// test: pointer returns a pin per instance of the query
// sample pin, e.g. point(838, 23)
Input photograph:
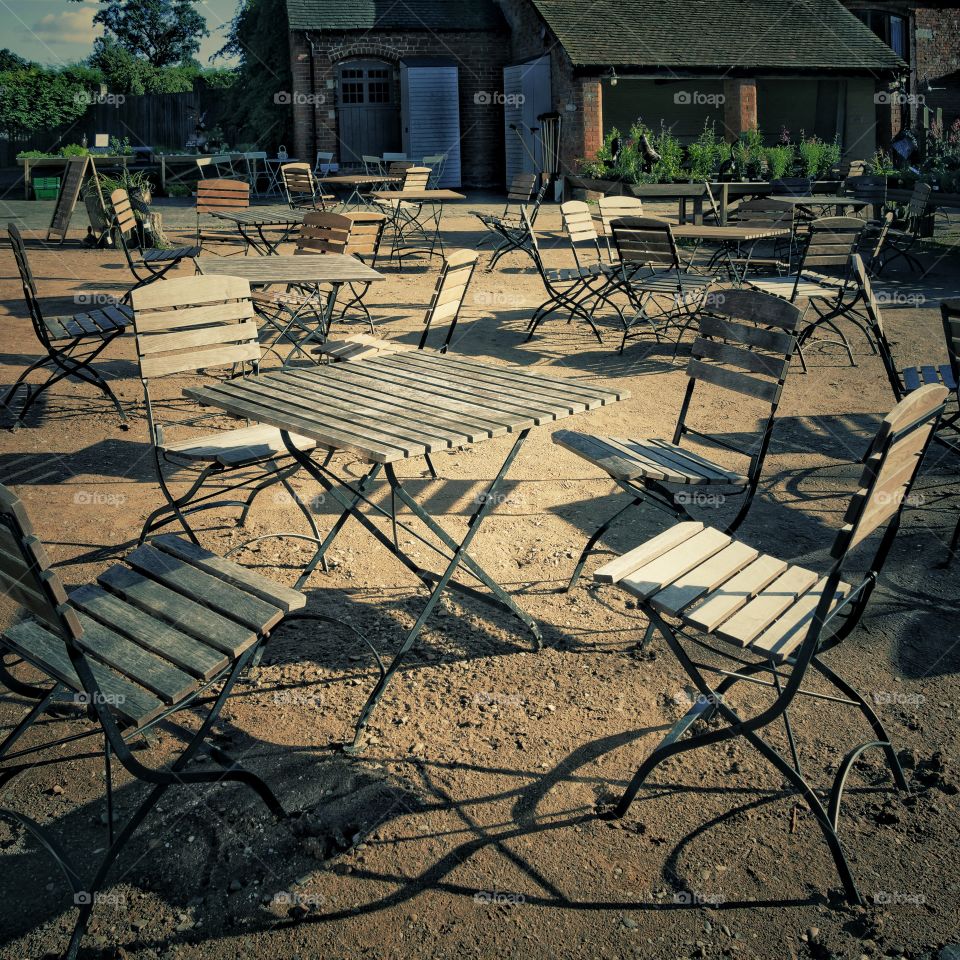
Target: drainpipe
point(313, 90)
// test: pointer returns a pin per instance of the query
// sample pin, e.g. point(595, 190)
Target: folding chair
point(757, 614)
point(403, 216)
point(150, 264)
point(649, 271)
point(363, 242)
point(745, 346)
point(255, 164)
point(170, 629)
point(298, 311)
point(767, 213)
point(202, 323)
point(873, 190)
point(830, 243)
point(616, 208)
point(902, 238)
point(515, 235)
point(324, 162)
point(301, 187)
point(436, 163)
point(70, 344)
point(218, 196)
point(906, 381)
point(568, 288)
point(520, 192)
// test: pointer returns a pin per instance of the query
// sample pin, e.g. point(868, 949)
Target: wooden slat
point(250, 581)
point(613, 458)
point(23, 589)
point(662, 571)
point(185, 614)
point(199, 359)
point(789, 631)
point(638, 557)
point(192, 291)
point(703, 578)
point(730, 380)
point(752, 619)
point(745, 359)
point(232, 333)
point(189, 654)
point(130, 660)
point(210, 591)
point(727, 599)
point(49, 653)
point(694, 466)
point(166, 321)
point(772, 340)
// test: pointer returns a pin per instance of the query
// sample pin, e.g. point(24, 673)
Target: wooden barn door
point(526, 95)
point(430, 97)
point(368, 113)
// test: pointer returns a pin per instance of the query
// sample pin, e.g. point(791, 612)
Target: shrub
point(780, 160)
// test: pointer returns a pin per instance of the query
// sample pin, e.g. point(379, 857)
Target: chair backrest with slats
point(324, 161)
point(578, 223)
point(645, 241)
point(123, 215)
point(792, 186)
point(194, 323)
point(26, 577)
point(323, 233)
point(890, 468)
point(436, 163)
point(616, 208)
point(366, 232)
point(831, 242)
point(449, 293)
point(871, 307)
point(522, 188)
point(746, 342)
point(918, 206)
point(416, 178)
point(870, 189)
point(765, 212)
point(298, 183)
point(219, 194)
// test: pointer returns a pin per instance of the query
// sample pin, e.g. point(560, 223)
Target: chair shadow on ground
point(215, 835)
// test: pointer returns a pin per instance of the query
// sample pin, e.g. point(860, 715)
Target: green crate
point(46, 188)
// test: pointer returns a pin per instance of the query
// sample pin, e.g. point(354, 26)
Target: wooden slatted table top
point(418, 195)
point(273, 213)
point(694, 231)
point(306, 268)
point(402, 405)
point(359, 179)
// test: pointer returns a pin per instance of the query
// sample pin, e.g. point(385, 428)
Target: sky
point(55, 32)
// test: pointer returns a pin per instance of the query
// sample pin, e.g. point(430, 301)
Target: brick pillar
point(739, 107)
point(592, 113)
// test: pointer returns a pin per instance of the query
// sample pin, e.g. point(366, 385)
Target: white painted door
point(527, 95)
point(430, 105)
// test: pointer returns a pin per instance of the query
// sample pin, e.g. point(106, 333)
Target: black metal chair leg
point(592, 542)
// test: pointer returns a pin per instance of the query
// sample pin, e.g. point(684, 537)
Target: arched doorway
point(368, 109)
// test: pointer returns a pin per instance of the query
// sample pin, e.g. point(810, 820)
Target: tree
point(161, 32)
point(259, 39)
point(12, 61)
point(37, 99)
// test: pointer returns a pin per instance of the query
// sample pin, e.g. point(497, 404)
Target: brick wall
point(481, 57)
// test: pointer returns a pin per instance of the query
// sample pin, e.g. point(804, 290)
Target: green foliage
point(750, 153)
point(881, 164)
point(37, 98)
point(780, 160)
point(817, 158)
point(179, 190)
point(74, 150)
point(160, 32)
point(258, 37)
point(705, 155)
point(669, 167)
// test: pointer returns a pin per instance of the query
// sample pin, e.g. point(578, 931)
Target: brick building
point(471, 77)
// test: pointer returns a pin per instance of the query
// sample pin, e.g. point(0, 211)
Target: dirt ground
point(468, 827)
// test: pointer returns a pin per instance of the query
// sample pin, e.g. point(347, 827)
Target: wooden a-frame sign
point(73, 178)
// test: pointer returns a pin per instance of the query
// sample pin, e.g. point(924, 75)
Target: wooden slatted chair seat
point(723, 588)
point(154, 255)
point(652, 459)
point(94, 323)
point(232, 448)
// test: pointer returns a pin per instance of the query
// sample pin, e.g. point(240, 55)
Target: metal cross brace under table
point(255, 219)
point(393, 408)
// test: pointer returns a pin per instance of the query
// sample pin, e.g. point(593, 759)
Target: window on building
point(365, 85)
point(890, 28)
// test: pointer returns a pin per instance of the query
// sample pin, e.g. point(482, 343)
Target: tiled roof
point(320, 15)
point(746, 34)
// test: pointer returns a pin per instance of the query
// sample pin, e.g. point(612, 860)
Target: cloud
point(73, 26)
